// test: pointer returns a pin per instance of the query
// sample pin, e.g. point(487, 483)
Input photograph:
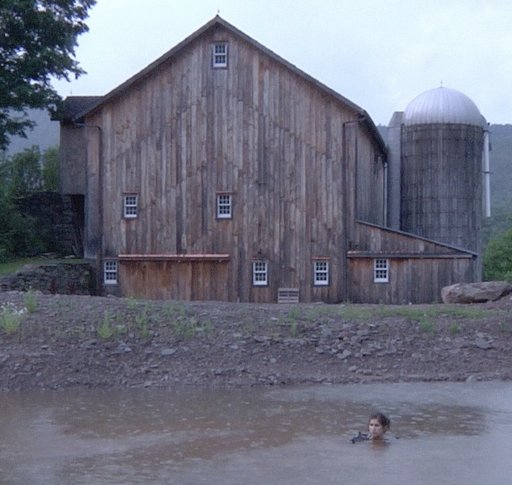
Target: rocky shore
point(57, 342)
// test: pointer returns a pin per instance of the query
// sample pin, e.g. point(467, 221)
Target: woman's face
point(376, 429)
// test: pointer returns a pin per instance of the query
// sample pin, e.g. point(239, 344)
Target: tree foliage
point(21, 175)
point(498, 258)
point(499, 222)
point(51, 169)
point(37, 43)
point(30, 171)
point(25, 173)
point(18, 235)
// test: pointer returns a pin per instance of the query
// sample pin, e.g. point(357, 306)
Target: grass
point(11, 267)
point(106, 330)
point(188, 327)
point(427, 325)
point(291, 320)
point(173, 314)
point(11, 318)
point(415, 313)
point(142, 318)
point(131, 303)
point(426, 316)
point(30, 302)
point(174, 310)
point(293, 329)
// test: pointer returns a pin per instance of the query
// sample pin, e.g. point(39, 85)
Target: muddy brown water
point(443, 433)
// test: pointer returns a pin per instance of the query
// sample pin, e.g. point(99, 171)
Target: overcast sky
point(379, 54)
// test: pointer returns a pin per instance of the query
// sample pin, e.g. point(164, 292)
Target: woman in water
point(378, 424)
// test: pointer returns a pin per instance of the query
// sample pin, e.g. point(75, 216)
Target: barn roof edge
point(216, 21)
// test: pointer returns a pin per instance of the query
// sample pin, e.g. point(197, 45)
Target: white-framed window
point(220, 54)
point(380, 270)
point(130, 206)
point(224, 206)
point(260, 273)
point(321, 272)
point(110, 272)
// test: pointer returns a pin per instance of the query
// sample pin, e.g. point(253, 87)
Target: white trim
point(260, 273)
point(321, 273)
point(224, 206)
point(220, 55)
point(110, 272)
point(380, 270)
point(130, 206)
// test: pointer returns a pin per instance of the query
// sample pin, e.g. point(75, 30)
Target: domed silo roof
point(442, 105)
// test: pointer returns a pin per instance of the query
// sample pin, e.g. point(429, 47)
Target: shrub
point(18, 236)
point(29, 299)
point(498, 258)
point(10, 318)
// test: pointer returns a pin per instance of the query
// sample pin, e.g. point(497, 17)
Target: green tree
point(18, 236)
point(51, 169)
point(24, 175)
point(30, 171)
point(37, 42)
point(498, 258)
point(498, 223)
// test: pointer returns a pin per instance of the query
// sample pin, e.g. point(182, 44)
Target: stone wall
point(61, 278)
point(57, 221)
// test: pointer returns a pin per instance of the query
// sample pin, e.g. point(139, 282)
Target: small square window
point(380, 271)
point(110, 272)
point(260, 273)
point(130, 206)
point(224, 206)
point(321, 273)
point(220, 55)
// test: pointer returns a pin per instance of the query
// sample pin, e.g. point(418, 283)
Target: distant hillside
point(501, 166)
point(45, 134)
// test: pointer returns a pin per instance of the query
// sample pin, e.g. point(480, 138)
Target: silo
point(441, 168)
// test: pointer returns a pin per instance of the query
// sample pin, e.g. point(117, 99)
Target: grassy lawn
point(11, 267)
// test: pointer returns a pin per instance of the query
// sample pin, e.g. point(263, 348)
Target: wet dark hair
point(382, 419)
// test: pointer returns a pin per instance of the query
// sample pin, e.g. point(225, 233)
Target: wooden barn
point(223, 172)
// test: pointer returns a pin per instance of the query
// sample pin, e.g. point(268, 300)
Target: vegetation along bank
point(63, 341)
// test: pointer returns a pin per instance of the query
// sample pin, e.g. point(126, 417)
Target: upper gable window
point(220, 55)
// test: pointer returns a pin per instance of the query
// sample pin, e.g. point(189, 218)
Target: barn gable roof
point(74, 105)
point(214, 23)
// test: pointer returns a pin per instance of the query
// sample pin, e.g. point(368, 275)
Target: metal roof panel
point(443, 105)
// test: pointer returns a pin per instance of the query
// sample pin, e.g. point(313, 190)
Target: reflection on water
point(449, 433)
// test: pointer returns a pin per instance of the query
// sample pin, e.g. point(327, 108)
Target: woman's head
point(377, 425)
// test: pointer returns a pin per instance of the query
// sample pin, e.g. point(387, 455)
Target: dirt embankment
point(66, 341)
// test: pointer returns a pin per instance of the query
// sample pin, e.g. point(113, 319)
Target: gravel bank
point(84, 341)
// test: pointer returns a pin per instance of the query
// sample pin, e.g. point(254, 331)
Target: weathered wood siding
point(72, 160)
point(418, 268)
point(257, 130)
point(162, 280)
point(411, 279)
point(370, 185)
point(373, 238)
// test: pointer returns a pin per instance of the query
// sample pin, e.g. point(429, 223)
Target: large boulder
point(475, 292)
